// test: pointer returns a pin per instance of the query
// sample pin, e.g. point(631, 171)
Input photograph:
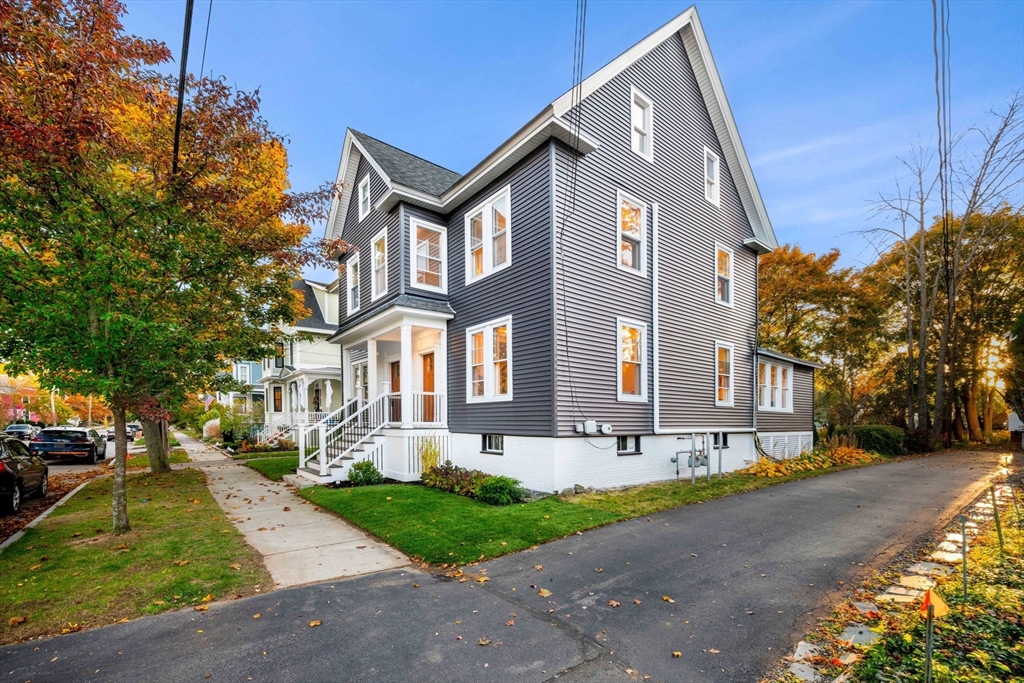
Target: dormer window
point(364, 197)
point(711, 174)
point(352, 289)
point(489, 236)
point(380, 264)
point(642, 119)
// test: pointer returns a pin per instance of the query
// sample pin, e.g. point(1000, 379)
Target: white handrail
point(304, 430)
point(375, 411)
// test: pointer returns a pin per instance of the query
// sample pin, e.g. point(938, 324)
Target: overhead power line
point(181, 83)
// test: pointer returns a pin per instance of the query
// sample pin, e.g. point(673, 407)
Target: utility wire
point(206, 38)
point(181, 84)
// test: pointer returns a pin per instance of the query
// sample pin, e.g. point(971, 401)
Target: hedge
point(881, 439)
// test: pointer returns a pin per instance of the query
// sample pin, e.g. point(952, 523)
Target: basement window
point(492, 443)
point(628, 445)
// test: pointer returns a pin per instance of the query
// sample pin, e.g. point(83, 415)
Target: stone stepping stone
point(899, 594)
point(865, 607)
point(950, 547)
point(805, 672)
point(983, 506)
point(956, 538)
point(850, 658)
point(929, 569)
point(858, 634)
point(918, 582)
point(805, 650)
point(946, 557)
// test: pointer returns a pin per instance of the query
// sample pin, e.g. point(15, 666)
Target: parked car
point(21, 473)
point(76, 441)
point(135, 429)
point(127, 432)
point(21, 431)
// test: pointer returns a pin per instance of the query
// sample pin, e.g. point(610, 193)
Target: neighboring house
point(16, 396)
point(572, 309)
point(247, 372)
point(301, 383)
point(785, 403)
point(1016, 427)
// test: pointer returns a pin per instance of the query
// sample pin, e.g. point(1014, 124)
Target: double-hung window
point(723, 374)
point(489, 361)
point(723, 275)
point(774, 387)
point(429, 266)
point(352, 288)
point(243, 373)
point(380, 264)
point(631, 355)
point(364, 197)
point(631, 222)
point(489, 236)
point(279, 355)
point(642, 120)
point(712, 172)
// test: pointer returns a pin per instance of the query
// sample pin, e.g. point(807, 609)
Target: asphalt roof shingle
point(316, 320)
point(408, 169)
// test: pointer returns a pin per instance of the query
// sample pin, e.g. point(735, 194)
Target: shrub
point(881, 439)
point(365, 473)
point(448, 477)
point(919, 441)
point(430, 454)
point(500, 491)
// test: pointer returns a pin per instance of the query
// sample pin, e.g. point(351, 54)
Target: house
point(577, 308)
point(785, 403)
point(302, 381)
point(1016, 427)
point(247, 372)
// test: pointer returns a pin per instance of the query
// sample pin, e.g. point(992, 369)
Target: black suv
point(21, 473)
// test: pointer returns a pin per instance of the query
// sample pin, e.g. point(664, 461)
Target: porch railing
point(310, 433)
point(341, 439)
point(428, 408)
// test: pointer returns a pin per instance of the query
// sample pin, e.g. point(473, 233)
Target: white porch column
point(347, 391)
point(441, 375)
point(406, 375)
point(371, 368)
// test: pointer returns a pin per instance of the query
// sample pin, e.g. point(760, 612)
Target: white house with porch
point(302, 381)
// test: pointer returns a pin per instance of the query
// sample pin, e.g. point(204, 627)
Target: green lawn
point(177, 455)
point(264, 454)
point(69, 572)
point(274, 468)
point(438, 527)
point(171, 440)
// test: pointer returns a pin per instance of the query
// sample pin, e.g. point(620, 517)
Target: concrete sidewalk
point(299, 543)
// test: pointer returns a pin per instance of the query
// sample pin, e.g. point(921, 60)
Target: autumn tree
point(122, 279)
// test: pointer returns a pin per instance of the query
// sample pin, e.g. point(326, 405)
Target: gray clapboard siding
point(802, 417)
point(522, 290)
point(690, 320)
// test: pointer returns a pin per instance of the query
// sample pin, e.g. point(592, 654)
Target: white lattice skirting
point(786, 444)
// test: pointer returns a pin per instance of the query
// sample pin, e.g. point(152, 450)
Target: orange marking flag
point(932, 598)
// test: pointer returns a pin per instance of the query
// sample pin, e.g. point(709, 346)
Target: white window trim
point(621, 195)
point(635, 94)
point(382, 235)
point(731, 303)
point(348, 283)
point(716, 198)
point(732, 374)
point(365, 182)
point(488, 244)
point(415, 223)
point(248, 372)
point(488, 330)
point(768, 386)
point(631, 398)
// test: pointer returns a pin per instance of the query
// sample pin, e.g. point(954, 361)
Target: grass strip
point(440, 527)
point(264, 454)
point(70, 573)
point(274, 468)
point(177, 456)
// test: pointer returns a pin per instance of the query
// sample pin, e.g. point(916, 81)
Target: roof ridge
point(416, 156)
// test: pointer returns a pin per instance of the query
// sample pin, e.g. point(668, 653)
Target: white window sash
point(642, 105)
point(778, 388)
point(712, 181)
point(730, 401)
point(621, 197)
point(730, 279)
point(635, 324)
point(352, 273)
point(380, 269)
point(489, 362)
point(414, 227)
point(487, 233)
point(363, 190)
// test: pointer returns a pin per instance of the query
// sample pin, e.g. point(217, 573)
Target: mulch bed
point(59, 486)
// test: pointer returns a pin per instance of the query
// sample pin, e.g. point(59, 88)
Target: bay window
point(631, 355)
point(489, 236)
point(429, 265)
point(489, 361)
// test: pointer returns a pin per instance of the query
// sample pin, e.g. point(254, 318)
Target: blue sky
point(826, 95)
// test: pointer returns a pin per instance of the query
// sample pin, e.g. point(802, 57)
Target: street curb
point(46, 513)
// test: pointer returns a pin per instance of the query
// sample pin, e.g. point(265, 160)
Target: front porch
point(298, 397)
point(394, 369)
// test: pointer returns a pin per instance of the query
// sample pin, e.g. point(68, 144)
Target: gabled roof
point(551, 122)
point(408, 169)
point(317, 320)
point(768, 353)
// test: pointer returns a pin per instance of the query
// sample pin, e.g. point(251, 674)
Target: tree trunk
point(959, 431)
point(119, 494)
point(973, 424)
point(156, 446)
point(990, 396)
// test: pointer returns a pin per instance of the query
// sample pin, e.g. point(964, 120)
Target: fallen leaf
point(677, 654)
point(315, 622)
point(510, 622)
point(637, 602)
point(388, 498)
point(287, 509)
point(158, 602)
point(122, 546)
point(504, 543)
point(713, 651)
point(667, 599)
point(544, 592)
point(16, 621)
point(483, 579)
point(257, 615)
point(599, 571)
point(613, 603)
point(181, 563)
point(34, 567)
point(484, 641)
point(538, 567)
point(693, 554)
point(195, 501)
point(415, 585)
point(236, 566)
point(209, 598)
point(201, 608)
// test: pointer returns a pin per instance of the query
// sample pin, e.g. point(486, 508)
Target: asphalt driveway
point(747, 576)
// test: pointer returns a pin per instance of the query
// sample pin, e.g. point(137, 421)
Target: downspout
point(757, 344)
point(552, 180)
point(654, 318)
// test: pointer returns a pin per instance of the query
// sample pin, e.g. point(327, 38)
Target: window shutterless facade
point(492, 443)
point(364, 197)
point(631, 357)
point(489, 236)
point(627, 445)
point(352, 283)
point(380, 264)
point(489, 361)
point(723, 275)
point(723, 374)
point(774, 387)
point(243, 373)
point(631, 231)
point(278, 399)
point(642, 122)
point(430, 256)
point(712, 171)
point(279, 355)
